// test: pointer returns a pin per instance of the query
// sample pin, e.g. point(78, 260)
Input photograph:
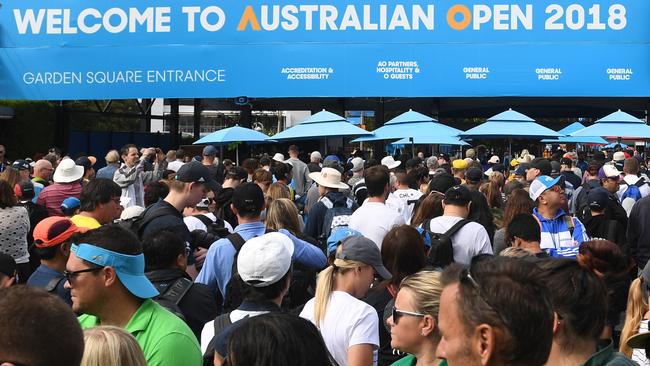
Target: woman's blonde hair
point(277, 190)
point(325, 284)
point(111, 346)
point(636, 309)
point(426, 288)
point(283, 214)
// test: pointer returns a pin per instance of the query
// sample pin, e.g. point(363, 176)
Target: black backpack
point(172, 294)
point(137, 224)
point(216, 228)
point(441, 253)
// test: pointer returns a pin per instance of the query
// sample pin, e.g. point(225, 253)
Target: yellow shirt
point(85, 221)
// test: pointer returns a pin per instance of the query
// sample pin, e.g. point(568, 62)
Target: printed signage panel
point(199, 49)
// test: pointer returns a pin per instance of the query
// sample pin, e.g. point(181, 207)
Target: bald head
point(43, 169)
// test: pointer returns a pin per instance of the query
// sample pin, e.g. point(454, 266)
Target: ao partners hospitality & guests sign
point(200, 48)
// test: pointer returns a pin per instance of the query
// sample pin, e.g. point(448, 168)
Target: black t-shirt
point(379, 298)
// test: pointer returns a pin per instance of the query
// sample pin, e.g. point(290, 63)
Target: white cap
point(265, 259)
point(540, 185)
point(278, 157)
point(390, 162)
point(494, 160)
point(68, 171)
point(619, 156)
point(357, 164)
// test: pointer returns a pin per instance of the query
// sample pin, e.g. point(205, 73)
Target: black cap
point(544, 166)
point(555, 168)
point(195, 172)
point(521, 169)
point(248, 198)
point(444, 157)
point(474, 175)
point(458, 195)
point(597, 198)
point(7, 265)
point(20, 164)
point(84, 162)
point(498, 167)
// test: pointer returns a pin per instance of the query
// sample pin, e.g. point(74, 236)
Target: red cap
point(54, 231)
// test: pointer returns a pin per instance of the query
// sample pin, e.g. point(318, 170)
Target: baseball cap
point(597, 198)
point(608, 171)
point(498, 167)
point(86, 161)
point(20, 164)
point(555, 168)
point(203, 203)
point(337, 235)
point(357, 164)
point(69, 205)
point(278, 157)
point(7, 265)
point(248, 197)
point(521, 169)
point(390, 162)
point(470, 153)
point(264, 260)
point(618, 156)
point(316, 155)
point(129, 268)
point(540, 185)
point(364, 250)
point(474, 175)
point(24, 188)
point(459, 164)
point(209, 150)
point(54, 230)
point(458, 195)
point(544, 166)
point(332, 158)
point(494, 159)
point(441, 182)
point(195, 172)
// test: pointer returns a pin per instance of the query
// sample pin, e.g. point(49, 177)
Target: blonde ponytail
point(636, 309)
point(325, 285)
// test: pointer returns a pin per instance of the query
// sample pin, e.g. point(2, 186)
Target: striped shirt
point(556, 238)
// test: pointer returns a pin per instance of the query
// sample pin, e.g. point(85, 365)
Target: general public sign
point(114, 49)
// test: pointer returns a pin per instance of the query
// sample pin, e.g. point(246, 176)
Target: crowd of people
point(160, 258)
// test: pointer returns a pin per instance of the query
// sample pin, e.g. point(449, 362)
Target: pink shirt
point(53, 195)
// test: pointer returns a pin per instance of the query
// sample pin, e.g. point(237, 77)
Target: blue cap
point(69, 205)
point(337, 235)
point(209, 150)
point(597, 198)
point(20, 164)
point(129, 268)
point(332, 157)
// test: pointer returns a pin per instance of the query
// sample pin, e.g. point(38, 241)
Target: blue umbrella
point(432, 140)
point(617, 125)
point(320, 125)
point(613, 145)
point(566, 139)
point(228, 135)
point(509, 124)
point(410, 124)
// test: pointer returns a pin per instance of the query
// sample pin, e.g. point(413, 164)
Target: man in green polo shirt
point(105, 275)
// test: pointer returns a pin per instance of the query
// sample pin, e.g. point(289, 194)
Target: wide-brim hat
point(278, 157)
point(68, 171)
point(389, 162)
point(328, 177)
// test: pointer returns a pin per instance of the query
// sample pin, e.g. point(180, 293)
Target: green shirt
point(605, 356)
point(164, 338)
point(410, 360)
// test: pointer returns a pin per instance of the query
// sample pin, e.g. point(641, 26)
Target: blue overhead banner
point(116, 49)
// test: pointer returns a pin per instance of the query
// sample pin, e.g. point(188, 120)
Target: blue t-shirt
point(42, 277)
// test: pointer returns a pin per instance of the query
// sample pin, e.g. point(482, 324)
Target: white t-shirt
point(374, 220)
point(408, 198)
point(207, 333)
point(470, 240)
point(193, 223)
point(348, 322)
point(175, 165)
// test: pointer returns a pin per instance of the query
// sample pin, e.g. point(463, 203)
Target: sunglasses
point(71, 276)
point(398, 314)
point(467, 278)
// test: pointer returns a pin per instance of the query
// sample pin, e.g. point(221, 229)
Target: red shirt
point(53, 195)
